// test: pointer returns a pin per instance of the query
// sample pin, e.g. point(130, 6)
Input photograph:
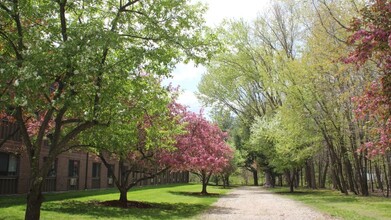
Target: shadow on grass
point(15, 200)
point(224, 187)
point(196, 194)
point(157, 211)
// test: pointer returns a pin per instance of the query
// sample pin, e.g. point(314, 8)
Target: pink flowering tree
point(202, 150)
point(371, 40)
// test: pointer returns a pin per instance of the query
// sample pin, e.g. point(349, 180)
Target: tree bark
point(205, 180)
point(308, 175)
point(268, 178)
point(204, 185)
point(227, 180)
point(123, 196)
point(34, 202)
point(322, 183)
point(388, 155)
point(348, 167)
point(291, 177)
point(255, 176)
point(378, 177)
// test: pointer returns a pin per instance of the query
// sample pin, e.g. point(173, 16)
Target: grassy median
point(167, 202)
point(341, 206)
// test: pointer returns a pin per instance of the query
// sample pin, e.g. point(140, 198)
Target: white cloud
point(220, 9)
point(187, 76)
point(189, 99)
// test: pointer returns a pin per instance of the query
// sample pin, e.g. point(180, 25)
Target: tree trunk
point(322, 183)
point(225, 180)
point(204, 185)
point(205, 180)
point(268, 178)
point(290, 177)
point(34, 202)
point(291, 187)
point(388, 155)
point(296, 172)
point(348, 167)
point(280, 180)
point(371, 176)
point(378, 177)
point(310, 174)
point(255, 176)
point(123, 196)
point(337, 170)
point(34, 196)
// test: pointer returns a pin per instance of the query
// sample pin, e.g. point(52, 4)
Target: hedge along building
point(76, 170)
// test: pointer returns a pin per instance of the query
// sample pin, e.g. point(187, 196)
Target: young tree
point(140, 133)
point(202, 150)
point(69, 63)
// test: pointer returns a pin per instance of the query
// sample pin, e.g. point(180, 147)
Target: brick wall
point(61, 182)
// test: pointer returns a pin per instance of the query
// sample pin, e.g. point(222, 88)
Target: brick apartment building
point(71, 171)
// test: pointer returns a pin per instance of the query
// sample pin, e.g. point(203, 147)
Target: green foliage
point(285, 139)
point(146, 113)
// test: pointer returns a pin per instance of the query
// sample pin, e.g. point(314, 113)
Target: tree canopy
point(70, 65)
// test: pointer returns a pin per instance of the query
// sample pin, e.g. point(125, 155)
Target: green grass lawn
point(340, 205)
point(169, 202)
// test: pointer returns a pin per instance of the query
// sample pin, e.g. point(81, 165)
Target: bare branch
point(140, 37)
point(332, 15)
point(123, 7)
point(324, 26)
point(73, 133)
point(150, 176)
point(70, 121)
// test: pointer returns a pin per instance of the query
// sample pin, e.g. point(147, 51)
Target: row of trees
point(308, 88)
point(86, 75)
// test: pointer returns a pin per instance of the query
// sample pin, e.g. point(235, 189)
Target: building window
point(95, 170)
point(8, 164)
point(110, 171)
point(73, 168)
point(53, 168)
point(110, 174)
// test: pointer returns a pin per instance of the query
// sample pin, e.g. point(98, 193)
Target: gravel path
point(257, 203)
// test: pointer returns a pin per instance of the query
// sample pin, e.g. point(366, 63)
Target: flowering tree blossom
point(202, 150)
point(371, 39)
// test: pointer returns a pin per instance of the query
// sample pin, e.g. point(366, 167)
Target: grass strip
point(177, 201)
point(339, 205)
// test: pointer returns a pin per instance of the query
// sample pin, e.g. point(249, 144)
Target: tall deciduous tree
point(245, 77)
point(73, 63)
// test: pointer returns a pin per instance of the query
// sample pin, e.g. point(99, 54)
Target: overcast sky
point(187, 76)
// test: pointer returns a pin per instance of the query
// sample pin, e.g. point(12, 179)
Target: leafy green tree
point(245, 79)
point(68, 65)
point(138, 134)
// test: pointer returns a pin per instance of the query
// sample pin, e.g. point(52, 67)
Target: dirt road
point(257, 203)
